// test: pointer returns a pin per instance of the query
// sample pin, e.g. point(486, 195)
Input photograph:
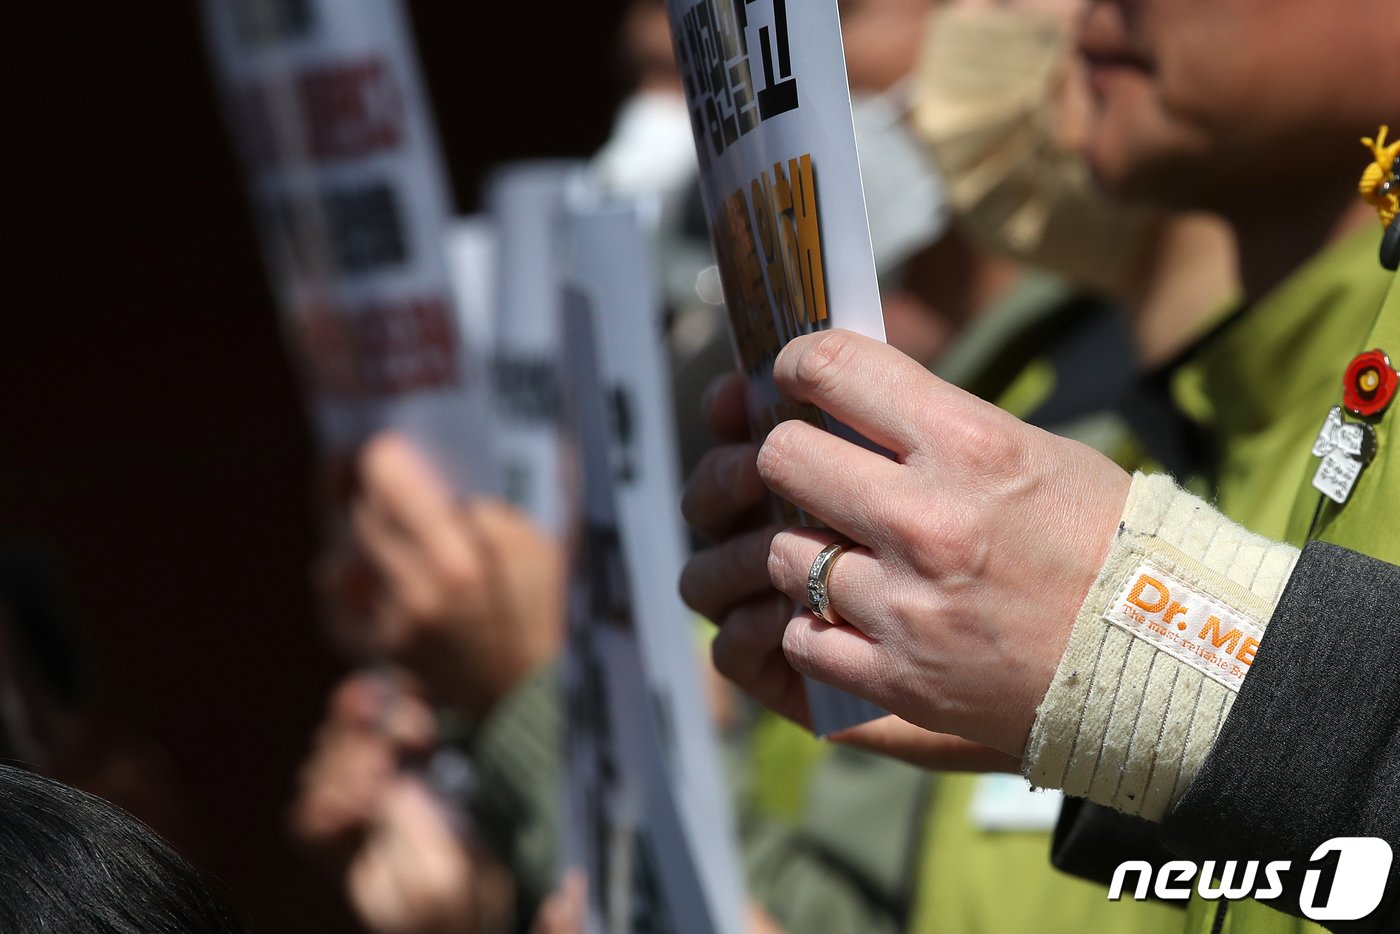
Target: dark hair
point(73, 863)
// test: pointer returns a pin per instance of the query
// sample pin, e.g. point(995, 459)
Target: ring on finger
point(818, 581)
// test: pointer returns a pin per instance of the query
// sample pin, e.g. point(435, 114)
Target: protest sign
point(765, 81)
point(351, 201)
point(526, 202)
point(649, 820)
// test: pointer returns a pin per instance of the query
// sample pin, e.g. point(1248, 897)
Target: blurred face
point(1197, 98)
point(881, 39)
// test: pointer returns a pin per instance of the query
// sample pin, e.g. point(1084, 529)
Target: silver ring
point(818, 591)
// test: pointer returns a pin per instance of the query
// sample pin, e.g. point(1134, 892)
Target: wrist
point(1158, 650)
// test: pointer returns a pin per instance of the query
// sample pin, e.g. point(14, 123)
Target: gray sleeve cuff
point(1311, 749)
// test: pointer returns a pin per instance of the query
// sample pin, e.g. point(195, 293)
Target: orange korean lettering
point(809, 238)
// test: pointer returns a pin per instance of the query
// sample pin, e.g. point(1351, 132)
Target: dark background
point(154, 457)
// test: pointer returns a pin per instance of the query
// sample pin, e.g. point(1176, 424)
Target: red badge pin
point(1369, 383)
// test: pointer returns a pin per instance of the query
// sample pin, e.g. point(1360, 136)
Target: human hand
point(405, 868)
point(940, 752)
point(468, 597)
point(415, 875)
point(974, 546)
point(372, 726)
point(726, 501)
point(564, 910)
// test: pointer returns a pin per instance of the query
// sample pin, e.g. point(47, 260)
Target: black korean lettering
point(732, 19)
point(690, 54)
point(607, 587)
point(746, 110)
point(779, 94)
point(526, 388)
point(624, 433)
point(721, 120)
point(262, 21)
point(365, 229)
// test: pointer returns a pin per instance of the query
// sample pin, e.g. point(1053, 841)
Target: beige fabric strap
point(1157, 653)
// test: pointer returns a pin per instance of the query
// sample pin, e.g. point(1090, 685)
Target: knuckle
point(989, 446)
point(777, 563)
point(819, 363)
point(458, 573)
point(797, 647)
point(785, 571)
point(778, 450)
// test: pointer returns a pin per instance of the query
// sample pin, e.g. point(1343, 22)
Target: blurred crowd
point(1133, 225)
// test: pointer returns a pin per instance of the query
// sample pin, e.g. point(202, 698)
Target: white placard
point(526, 202)
point(627, 432)
point(765, 81)
point(346, 180)
point(473, 265)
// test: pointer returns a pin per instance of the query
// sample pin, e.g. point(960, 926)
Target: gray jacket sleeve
point(1309, 752)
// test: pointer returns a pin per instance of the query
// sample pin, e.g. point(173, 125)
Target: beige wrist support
point(1164, 639)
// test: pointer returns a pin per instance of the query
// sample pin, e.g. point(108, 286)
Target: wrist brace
point(1158, 651)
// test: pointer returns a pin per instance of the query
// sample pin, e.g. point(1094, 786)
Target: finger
point(940, 752)
point(855, 581)
point(358, 701)
point(715, 579)
point(844, 485)
point(725, 408)
point(408, 585)
point(841, 656)
point(749, 634)
point(724, 490)
point(864, 383)
point(410, 494)
point(748, 651)
point(409, 724)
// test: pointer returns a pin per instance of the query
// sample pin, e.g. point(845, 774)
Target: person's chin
point(1123, 142)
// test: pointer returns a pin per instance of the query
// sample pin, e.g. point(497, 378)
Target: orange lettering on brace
point(1246, 653)
point(1143, 583)
point(1211, 631)
point(1173, 610)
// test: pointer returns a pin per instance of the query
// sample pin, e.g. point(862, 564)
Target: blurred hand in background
point(406, 864)
point(469, 598)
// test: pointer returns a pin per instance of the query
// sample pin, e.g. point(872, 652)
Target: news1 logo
point(1356, 876)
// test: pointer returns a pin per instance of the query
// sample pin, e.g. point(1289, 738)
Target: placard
point(526, 202)
point(649, 819)
point(351, 202)
point(765, 81)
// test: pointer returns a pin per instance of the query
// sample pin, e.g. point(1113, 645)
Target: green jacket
point(1272, 376)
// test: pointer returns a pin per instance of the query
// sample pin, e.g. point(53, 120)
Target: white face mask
point(904, 196)
point(985, 106)
point(651, 150)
